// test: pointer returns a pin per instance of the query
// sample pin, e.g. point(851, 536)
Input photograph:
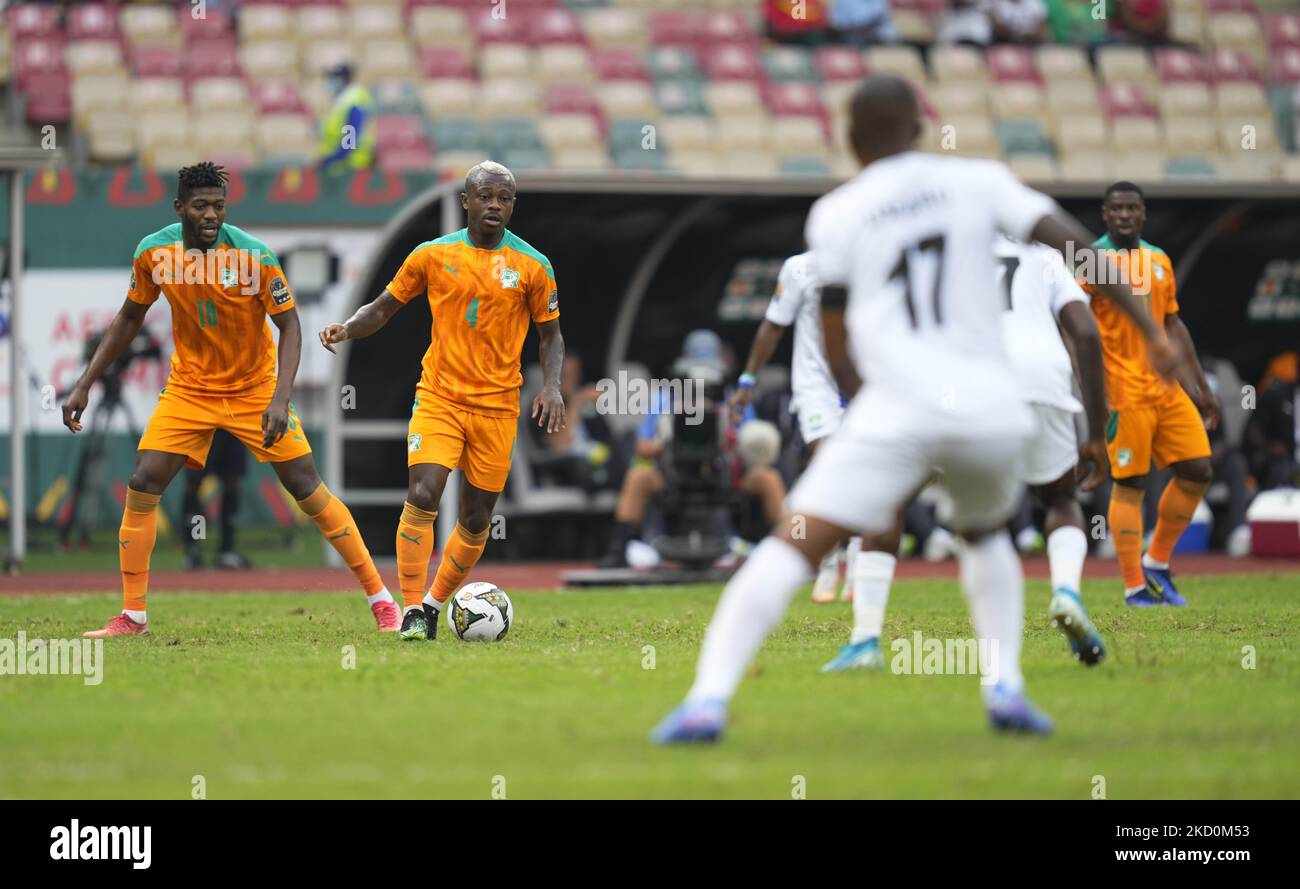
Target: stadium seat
point(626, 98)
point(410, 159)
point(266, 22)
point(798, 135)
point(224, 130)
point(99, 95)
point(454, 165)
point(507, 60)
point(1125, 65)
point(1249, 166)
point(84, 57)
point(580, 160)
point(1189, 167)
point(556, 26)
point(142, 25)
point(570, 98)
point(731, 97)
point(1128, 134)
point(110, 138)
point(322, 23)
point(521, 159)
point(385, 58)
point(673, 63)
point(458, 134)
point(1285, 66)
point(270, 58)
point(1063, 64)
point(680, 97)
point(1234, 64)
point(902, 61)
point(488, 28)
point(152, 93)
point(168, 157)
point(502, 96)
point(957, 98)
point(1290, 168)
point(1282, 29)
point(375, 22)
point(565, 63)
point(1088, 166)
point(1022, 137)
point(794, 98)
point(1022, 98)
point(286, 137)
point(615, 28)
point(1188, 97)
point(673, 29)
point(1074, 100)
point(49, 101)
point(628, 134)
point(217, 57)
point(1187, 27)
point(398, 131)
point(618, 63)
point(754, 164)
point(844, 167)
point(447, 97)
point(446, 62)
point(968, 136)
point(800, 165)
point(1034, 168)
point(1247, 134)
point(1243, 97)
point(840, 63)
point(440, 26)
point(218, 94)
point(1240, 31)
point(1190, 134)
point(957, 63)
point(31, 21)
point(686, 132)
point(637, 159)
point(1177, 65)
point(789, 63)
point(1012, 64)
point(1139, 166)
point(742, 132)
point(91, 21)
point(835, 96)
point(216, 24)
point(157, 128)
point(507, 133)
point(562, 131)
point(1126, 99)
point(731, 61)
point(1079, 135)
point(396, 97)
point(162, 60)
point(1218, 6)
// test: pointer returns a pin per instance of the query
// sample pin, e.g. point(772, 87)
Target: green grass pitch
point(250, 692)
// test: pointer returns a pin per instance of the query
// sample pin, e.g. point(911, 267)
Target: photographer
point(694, 463)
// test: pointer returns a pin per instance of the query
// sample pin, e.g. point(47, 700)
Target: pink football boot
point(119, 625)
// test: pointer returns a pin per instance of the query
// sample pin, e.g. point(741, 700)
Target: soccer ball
point(480, 612)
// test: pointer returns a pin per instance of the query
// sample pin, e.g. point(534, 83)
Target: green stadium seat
point(672, 63)
point(509, 133)
point(1282, 100)
point(681, 97)
point(457, 134)
point(1022, 137)
point(1189, 168)
point(627, 133)
point(525, 158)
point(637, 158)
point(804, 166)
point(789, 63)
point(396, 97)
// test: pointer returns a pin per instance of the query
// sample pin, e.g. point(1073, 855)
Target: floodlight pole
point(17, 382)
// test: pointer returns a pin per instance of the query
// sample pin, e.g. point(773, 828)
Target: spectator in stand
point(1077, 22)
point(801, 22)
point(1272, 436)
point(1017, 21)
point(1142, 21)
point(863, 22)
point(966, 21)
point(347, 131)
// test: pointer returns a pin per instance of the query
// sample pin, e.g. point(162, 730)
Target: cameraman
point(701, 360)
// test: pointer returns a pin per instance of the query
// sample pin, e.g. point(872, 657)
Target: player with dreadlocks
point(221, 283)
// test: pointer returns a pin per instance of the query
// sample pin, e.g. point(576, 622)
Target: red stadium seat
point(35, 57)
point(409, 159)
point(215, 23)
point(840, 63)
point(437, 62)
point(617, 63)
point(277, 97)
point(673, 29)
point(156, 60)
point(33, 20)
point(92, 21)
point(549, 26)
point(49, 98)
point(511, 29)
point(571, 98)
point(1285, 66)
point(794, 98)
point(399, 131)
point(1233, 65)
point(1012, 64)
point(731, 61)
point(1175, 65)
point(1216, 6)
point(211, 58)
point(1126, 100)
point(725, 27)
point(1282, 29)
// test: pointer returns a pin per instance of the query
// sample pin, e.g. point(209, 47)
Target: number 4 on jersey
point(471, 315)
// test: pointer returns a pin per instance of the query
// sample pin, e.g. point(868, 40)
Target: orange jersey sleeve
point(143, 288)
point(412, 278)
point(1130, 381)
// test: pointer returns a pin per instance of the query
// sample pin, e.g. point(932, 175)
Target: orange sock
point(460, 555)
point(1125, 518)
point(414, 548)
point(1177, 506)
point(335, 521)
point(135, 541)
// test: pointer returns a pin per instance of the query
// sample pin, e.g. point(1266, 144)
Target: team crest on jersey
point(509, 278)
point(279, 291)
point(553, 304)
point(229, 277)
point(1124, 457)
point(413, 442)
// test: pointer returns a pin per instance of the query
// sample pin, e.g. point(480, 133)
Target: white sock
point(409, 608)
point(851, 553)
point(1133, 591)
point(828, 573)
point(1067, 547)
point(873, 572)
point(754, 600)
point(382, 596)
point(1149, 562)
point(994, 585)
point(137, 616)
point(432, 602)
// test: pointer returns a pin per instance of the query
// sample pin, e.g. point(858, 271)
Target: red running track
point(529, 575)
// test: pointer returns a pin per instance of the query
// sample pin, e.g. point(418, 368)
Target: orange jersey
point(1130, 381)
point(481, 301)
point(219, 299)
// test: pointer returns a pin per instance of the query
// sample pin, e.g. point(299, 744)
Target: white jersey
point(911, 237)
point(797, 302)
point(1036, 286)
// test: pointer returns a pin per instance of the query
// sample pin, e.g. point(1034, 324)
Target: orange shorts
point(1171, 431)
point(184, 421)
point(450, 436)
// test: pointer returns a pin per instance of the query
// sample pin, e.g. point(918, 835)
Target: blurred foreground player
point(904, 252)
point(484, 284)
point(1151, 418)
point(221, 284)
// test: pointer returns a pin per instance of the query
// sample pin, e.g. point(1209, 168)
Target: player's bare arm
point(834, 299)
point(548, 406)
point(367, 320)
point(766, 339)
point(1191, 376)
point(1084, 342)
point(275, 420)
point(1065, 234)
point(120, 334)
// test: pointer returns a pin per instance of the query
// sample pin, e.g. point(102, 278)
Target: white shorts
point(860, 480)
point(1054, 449)
point(819, 419)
